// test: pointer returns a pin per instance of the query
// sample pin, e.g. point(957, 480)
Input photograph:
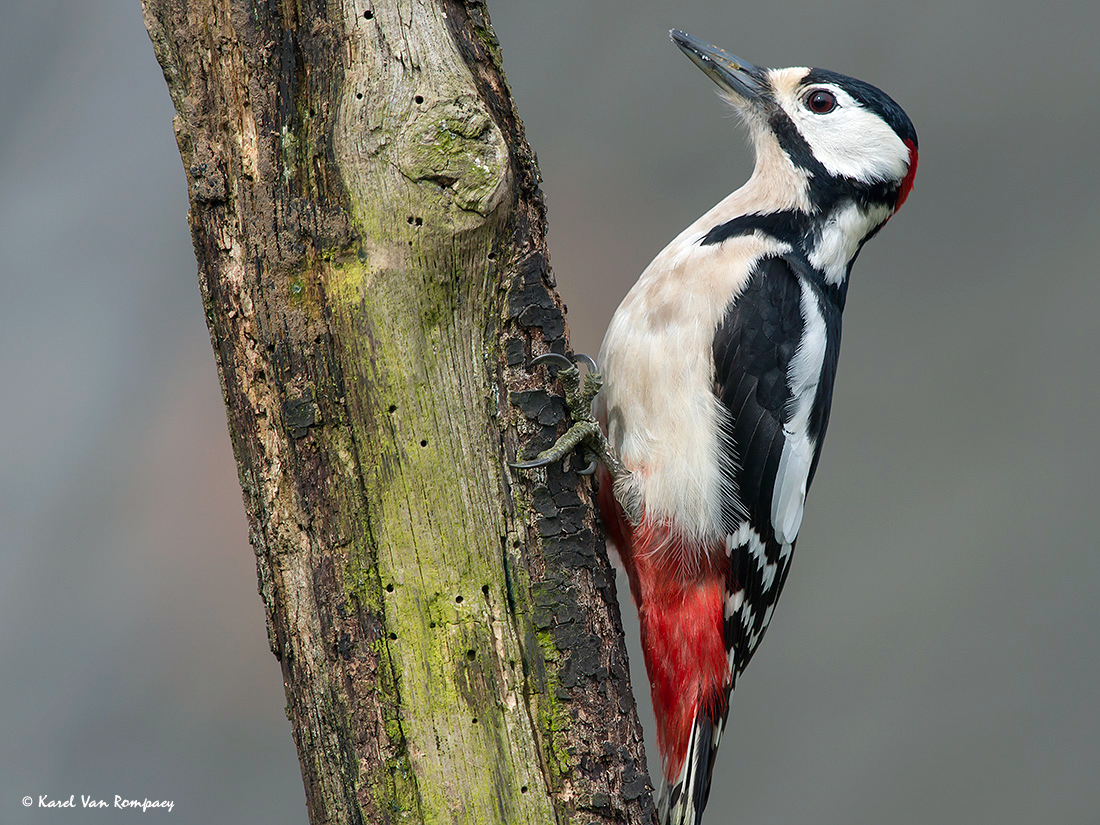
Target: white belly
point(663, 417)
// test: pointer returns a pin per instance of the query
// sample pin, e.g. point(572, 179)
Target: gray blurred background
point(936, 656)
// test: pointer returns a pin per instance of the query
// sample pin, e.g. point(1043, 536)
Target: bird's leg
point(585, 431)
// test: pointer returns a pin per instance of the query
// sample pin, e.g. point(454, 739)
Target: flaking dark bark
point(371, 244)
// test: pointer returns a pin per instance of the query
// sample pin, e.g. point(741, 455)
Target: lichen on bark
point(371, 246)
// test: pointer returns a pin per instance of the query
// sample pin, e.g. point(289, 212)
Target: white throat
point(840, 237)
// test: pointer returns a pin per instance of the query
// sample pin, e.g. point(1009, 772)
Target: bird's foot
point(585, 431)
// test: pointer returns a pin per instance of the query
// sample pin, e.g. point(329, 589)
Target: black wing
point(753, 348)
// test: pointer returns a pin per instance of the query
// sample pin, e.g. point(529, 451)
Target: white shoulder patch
point(803, 375)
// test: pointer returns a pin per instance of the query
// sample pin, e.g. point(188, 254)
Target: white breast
point(663, 417)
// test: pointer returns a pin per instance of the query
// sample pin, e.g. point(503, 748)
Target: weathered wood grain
point(371, 246)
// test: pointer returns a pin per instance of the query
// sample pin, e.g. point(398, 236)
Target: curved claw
point(534, 463)
point(590, 469)
point(587, 360)
point(550, 358)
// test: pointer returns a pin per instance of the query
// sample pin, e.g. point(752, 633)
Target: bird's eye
point(821, 102)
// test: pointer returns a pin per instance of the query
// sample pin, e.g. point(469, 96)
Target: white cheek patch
point(850, 141)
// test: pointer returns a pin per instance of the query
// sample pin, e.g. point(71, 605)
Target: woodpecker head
point(846, 142)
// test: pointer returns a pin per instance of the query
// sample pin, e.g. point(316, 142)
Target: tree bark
point(371, 244)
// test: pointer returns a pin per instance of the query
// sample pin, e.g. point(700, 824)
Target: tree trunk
point(370, 237)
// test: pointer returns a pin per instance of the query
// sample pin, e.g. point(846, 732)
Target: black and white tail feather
point(683, 801)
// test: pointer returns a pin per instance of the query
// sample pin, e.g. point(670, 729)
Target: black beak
point(732, 74)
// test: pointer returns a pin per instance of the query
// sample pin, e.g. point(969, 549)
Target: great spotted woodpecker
point(717, 374)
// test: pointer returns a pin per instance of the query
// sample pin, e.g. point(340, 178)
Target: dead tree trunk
point(370, 238)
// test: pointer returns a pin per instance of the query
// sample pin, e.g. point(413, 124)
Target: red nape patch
point(907, 182)
point(682, 590)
